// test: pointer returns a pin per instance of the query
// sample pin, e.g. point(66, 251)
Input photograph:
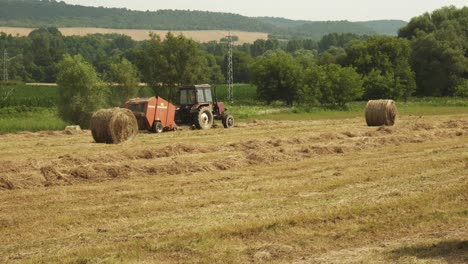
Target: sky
point(352, 10)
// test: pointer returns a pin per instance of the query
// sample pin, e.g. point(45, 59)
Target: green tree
point(183, 62)
point(333, 55)
point(378, 85)
point(174, 62)
point(241, 66)
point(215, 76)
point(315, 78)
point(260, 46)
point(440, 50)
point(461, 89)
point(337, 40)
point(439, 66)
point(306, 58)
point(278, 76)
point(388, 56)
point(343, 84)
point(416, 25)
point(215, 48)
point(80, 91)
point(294, 44)
point(125, 76)
point(331, 85)
point(47, 49)
point(150, 61)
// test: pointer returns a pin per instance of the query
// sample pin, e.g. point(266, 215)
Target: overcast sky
point(352, 10)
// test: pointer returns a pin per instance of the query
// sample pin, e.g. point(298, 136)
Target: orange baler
point(154, 114)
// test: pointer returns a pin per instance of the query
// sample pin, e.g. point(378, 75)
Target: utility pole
point(5, 69)
point(230, 71)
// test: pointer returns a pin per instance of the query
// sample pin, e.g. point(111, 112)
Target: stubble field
point(328, 191)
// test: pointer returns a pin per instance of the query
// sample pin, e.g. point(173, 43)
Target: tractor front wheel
point(228, 121)
point(204, 118)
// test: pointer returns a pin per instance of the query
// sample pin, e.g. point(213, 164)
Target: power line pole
point(230, 71)
point(5, 69)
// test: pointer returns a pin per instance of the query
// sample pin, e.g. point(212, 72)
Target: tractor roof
point(206, 86)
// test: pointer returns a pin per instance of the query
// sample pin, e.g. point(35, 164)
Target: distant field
point(143, 34)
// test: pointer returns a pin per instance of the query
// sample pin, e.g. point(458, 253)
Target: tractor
point(197, 106)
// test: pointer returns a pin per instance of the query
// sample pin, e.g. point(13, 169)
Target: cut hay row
point(113, 126)
point(381, 113)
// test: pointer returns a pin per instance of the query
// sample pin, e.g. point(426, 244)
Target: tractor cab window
point(187, 96)
point(200, 96)
point(204, 95)
point(208, 97)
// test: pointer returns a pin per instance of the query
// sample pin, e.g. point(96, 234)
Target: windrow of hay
point(381, 112)
point(182, 157)
point(113, 126)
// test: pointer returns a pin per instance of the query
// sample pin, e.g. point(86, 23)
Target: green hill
point(34, 13)
point(45, 13)
point(320, 28)
point(384, 27)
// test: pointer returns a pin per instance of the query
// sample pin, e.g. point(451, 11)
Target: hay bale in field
point(72, 130)
point(381, 112)
point(113, 126)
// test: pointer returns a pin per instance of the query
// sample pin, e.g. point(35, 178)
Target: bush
point(462, 89)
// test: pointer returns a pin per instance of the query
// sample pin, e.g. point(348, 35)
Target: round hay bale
point(381, 112)
point(113, 126)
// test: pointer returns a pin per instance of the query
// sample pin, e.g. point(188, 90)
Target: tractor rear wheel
point(204, 118)
point(228, 121)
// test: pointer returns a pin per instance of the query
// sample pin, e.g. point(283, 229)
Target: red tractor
point(198, 107)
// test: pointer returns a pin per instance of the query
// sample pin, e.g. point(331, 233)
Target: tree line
point(428, 58)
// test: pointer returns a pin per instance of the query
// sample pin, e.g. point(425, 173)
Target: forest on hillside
point(46, 13)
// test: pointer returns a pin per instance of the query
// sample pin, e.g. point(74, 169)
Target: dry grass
point(141, 34)
point(328, 191)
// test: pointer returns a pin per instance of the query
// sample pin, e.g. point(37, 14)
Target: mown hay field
point(318, 191)
point(202, 36)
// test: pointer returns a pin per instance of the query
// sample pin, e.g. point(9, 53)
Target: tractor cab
point(195, 95)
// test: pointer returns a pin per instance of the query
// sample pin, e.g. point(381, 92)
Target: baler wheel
point(157, 127)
